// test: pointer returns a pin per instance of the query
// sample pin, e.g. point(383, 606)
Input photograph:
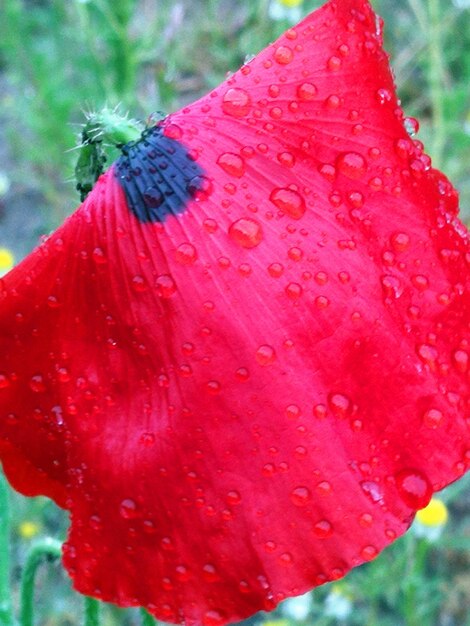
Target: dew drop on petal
point(265, 355)
point(400, 241)
point(289, 202)
point(323, 529)
point(246, 232)
point(300, 496)
point(414, 488)
point(37, 383)
point(433, 418)
point(165, 285)
point(232, 164)
point(128, 509)
point(351, 164)
point(283, 55)
point(153, 197)
point(369, 552)
point(233, 498)
point(339, 404)
point(186, 254)
point(236, 102)
point(306, 91)
point(200, 188)
point(213, 618)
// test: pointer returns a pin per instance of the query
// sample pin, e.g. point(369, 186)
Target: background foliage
point(59, 58)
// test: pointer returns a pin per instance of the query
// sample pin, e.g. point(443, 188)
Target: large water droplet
point(351, 164)
point(414, 488)
point(288, 201)
point(323, 529)
point(246, 232)
point(265, 355)
point(232, 164)
point(128, 509)
point(301, 496)
point(433, 418)
point(165, 285)
point(283, 55)
point(236, 102)
point(306, 91)
point(186, 254)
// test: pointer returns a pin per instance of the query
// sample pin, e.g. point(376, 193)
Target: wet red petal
point(254, 396)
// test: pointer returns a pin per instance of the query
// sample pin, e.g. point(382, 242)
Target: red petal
point(255, 395)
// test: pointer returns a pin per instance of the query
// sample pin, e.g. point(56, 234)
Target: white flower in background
point(298, 608)
point(338, 603)
point(285, 10)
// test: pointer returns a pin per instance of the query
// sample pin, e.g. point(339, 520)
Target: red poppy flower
point(242, 364)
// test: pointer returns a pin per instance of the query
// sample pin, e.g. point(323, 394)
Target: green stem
point(436, 80)
point(92, 612)
point(146, 618)
point(44, 550)
point(6, 613)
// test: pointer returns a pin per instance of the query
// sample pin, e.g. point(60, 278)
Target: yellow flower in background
point(28, 530)
point(430, 521)
point(435, 514)
point(290, 3)
point(7, 261)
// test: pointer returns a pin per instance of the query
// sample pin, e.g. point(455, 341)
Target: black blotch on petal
point(158, 176)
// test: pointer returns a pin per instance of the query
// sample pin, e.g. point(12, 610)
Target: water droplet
point(334, 63)
point(232, 164)
point(420, 282)
point(242, 374)
point(428, 354)
point(236, 102)
point(37, 384)
point(153, 197)
point(183, 574)
point(460, 360)
point(165, 285)
point(99, 256)
point(365, 520)
point(186, 254)
point(433, 418)
point(306, 91)
point(383, 95)
point(294, 291)
point(287, 159)
point(339, 404)
point(324, 488)
point(210, 573)
point(139, 284)
point(323, 529)
point(391, 286)
point(275, 270)
point(128, 509)
point(414, 488)
point(200, 188)
point(351, 164)
point(411, 126)
point(286, 558)
point(4, 381)
point(288, 201)
point(233, 498)
point(369, 552)
point(265, 355)
point(283, 55)
point(373, 491)
point(293, 411)
point(300, 496)
point(246, 232)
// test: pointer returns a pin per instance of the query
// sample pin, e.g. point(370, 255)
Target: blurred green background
point(59, 58)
